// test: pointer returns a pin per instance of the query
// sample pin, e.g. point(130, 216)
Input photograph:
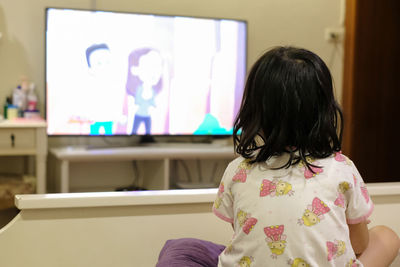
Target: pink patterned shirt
point(291, 216)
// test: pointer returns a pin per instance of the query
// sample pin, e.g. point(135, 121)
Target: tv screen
point(114, 73)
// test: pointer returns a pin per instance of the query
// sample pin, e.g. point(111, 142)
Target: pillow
point(189, 252)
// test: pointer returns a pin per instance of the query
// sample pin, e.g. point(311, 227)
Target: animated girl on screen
point(144, 82)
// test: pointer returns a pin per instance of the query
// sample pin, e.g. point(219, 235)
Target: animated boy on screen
point(100, 110)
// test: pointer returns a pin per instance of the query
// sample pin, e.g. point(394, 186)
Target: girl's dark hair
point(288, 102)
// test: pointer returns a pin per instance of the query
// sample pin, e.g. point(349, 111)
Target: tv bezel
point(142, 136)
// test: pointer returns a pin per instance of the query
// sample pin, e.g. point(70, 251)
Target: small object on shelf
point(12, 112)
point(32, 114)
point(6, 104)
point(131, 188)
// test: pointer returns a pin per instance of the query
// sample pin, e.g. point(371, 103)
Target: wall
point(270, 23)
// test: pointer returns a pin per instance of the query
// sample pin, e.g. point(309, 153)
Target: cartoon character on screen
point(98, 58)
point(144, 83)
point(276, 239)
point(314, 213)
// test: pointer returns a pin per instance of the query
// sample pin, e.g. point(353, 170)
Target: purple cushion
point(189, 252)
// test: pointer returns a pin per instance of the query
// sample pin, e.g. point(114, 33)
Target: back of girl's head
point(289, 104)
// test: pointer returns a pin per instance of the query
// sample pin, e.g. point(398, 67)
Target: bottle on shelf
point(18, 99)
point(6, 104)
point(31, 111)
point(12, 112)
point(32, 98)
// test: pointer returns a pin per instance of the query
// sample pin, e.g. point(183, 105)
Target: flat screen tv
point(115, 73)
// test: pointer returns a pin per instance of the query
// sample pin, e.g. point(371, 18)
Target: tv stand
point(157, 159)
point(144, 139)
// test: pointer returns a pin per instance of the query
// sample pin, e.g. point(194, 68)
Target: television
point(118, 73)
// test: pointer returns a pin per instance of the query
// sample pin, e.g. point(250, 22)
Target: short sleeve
point(223, 204)
point(359, 206)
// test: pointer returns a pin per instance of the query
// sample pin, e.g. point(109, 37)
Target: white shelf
point(152, 197)
point(25, 137)
point(142, 152)
point(23, 123)
point(107, 199)
point(161, 155)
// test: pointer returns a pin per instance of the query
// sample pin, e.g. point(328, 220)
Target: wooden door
point(371, 88)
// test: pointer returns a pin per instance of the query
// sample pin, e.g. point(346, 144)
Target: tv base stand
point(162, 155)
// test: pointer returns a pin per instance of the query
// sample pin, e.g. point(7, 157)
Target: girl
point(289, 128)
point(144, 83)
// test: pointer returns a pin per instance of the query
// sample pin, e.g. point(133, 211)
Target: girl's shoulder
point(338, 158)
point(338, 165)
point(235, 163)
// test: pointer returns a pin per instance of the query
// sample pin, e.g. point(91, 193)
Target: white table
point(22, 137)
point(161, 152)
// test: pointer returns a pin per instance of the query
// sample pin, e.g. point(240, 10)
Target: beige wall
point(270, 23)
